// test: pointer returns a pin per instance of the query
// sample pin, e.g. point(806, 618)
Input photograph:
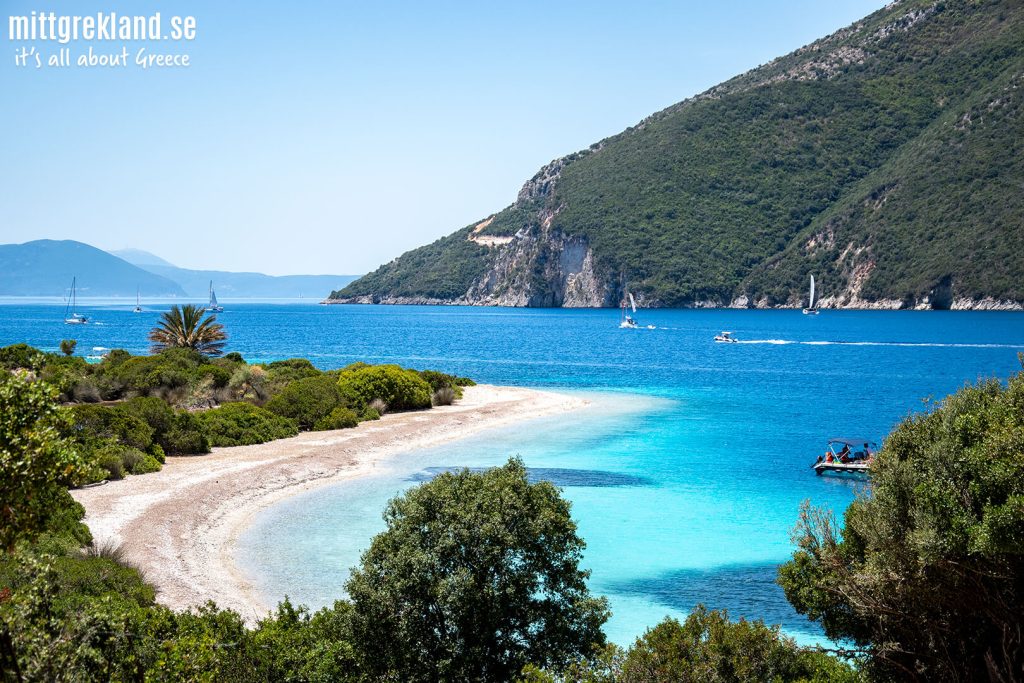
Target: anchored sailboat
point(214, 306)
point(138, 305)
point(71, 314)
point(812, 303)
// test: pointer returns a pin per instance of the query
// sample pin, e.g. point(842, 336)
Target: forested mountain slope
point(886, 159)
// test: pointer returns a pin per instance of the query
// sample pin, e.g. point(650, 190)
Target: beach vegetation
point(243, 424)
point(476, 576)
point(67, 346)
point(183, 327)
point(308, 400)
point(924, 575)
point(398, 388)
point(339, 418)
point(706, 646)
point(444, 396)
point(36, 460)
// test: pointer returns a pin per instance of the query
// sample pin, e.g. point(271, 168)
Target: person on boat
point(829, 458)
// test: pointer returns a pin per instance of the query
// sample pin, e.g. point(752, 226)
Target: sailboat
point(214, 306)
point(138, 305)
point(71, 314)
point(627, 321)
point(812, 304)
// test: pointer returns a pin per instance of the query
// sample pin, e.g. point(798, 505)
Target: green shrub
point(92, 423)
point(369, 414)
point(340, 418)
point(146, 465)
point(401, 389)
point(157, 451)
point(440, 380)
point(307, 400)
point(110, 460)
point(186, 436)
point(240, 424)
point(219, 377)
point(20, 356)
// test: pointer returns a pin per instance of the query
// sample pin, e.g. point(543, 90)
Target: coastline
point(180, 525)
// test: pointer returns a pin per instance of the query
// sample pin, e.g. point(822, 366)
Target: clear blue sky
point(329, 137)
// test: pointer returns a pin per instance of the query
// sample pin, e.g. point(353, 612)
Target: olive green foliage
point(888, 155)
point(340, 418)
point(476, 576)
point(439, 381)
point(184, 327)
point(400, 389)
point(308, 400)
point(926, 573)
point(280, 373)
point(36, 461)
point(20, 356)
point(241, 424)
point(67, 346)
point(707, 646)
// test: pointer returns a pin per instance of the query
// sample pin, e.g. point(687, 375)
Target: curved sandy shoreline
point(180, 525)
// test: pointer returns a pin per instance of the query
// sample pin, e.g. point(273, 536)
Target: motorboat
point(812, 303)
point(726, 338)
point(71, 314)
point(846, 455)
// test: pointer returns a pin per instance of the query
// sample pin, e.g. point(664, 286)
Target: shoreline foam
point(181, 525)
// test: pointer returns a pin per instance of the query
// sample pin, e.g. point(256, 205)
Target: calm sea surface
point(687, 474)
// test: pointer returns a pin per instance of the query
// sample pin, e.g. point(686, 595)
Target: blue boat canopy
point(851, 441)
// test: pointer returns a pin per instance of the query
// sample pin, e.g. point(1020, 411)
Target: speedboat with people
point(726, 338)
point(846, 455)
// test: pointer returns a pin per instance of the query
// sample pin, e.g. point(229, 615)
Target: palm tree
point(183, 328)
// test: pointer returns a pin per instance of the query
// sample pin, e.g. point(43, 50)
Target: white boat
point(71, 314)
point(812, 304)
point(213, 305)
point(845, 455)
point(627, 321)
point(725, 338)
point(138, 306)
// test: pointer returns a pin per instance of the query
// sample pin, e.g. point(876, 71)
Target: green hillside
point(885, 158)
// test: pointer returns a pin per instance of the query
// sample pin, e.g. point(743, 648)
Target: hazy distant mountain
point(46, 267)
point(140, 258)
point(196, 283)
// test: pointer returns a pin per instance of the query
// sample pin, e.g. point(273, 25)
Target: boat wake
point(882, 343)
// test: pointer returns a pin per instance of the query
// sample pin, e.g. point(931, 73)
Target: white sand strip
point(180, 525)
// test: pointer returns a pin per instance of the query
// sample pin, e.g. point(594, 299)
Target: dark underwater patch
point(556, 475)
point(746, 591)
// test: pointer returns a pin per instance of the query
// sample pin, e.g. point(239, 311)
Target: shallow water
point(685, 476)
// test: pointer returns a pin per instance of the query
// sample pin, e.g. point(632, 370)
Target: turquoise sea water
point(685, 476)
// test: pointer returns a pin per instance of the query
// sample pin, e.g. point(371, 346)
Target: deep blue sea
point(686, 475)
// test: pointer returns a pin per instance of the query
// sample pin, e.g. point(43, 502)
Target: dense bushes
point(242, 424)
point(400, 389)
point(129, 411)
point(308, 400)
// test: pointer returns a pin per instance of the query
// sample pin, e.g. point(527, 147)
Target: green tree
point(927, 572)
point(476, 576)
point(67, 346)
point(184, 327)
point(35, 459)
